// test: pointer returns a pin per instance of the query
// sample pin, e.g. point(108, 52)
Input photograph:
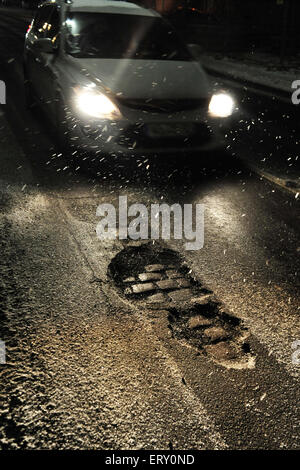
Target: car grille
point(137, 137)
point(164, 106)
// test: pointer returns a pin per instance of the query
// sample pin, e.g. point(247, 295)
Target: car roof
point(110, 6)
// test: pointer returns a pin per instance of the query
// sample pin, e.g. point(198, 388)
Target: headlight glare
point(221, 105)
point(95, 104)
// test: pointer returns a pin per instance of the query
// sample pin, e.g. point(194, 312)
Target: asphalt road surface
point(90, 366)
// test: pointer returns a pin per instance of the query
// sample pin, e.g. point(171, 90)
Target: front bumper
point(148, 135)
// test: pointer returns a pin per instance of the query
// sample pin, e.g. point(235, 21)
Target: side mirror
point(44, 45)
point(196, 50)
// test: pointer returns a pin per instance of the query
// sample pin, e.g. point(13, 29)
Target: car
point(11, 3)
point(201, 27)
point(30, 4)
point(115, 79)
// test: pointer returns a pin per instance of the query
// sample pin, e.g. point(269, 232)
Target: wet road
point(89, 367)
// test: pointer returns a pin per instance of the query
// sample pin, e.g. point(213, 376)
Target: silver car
point(115, 79)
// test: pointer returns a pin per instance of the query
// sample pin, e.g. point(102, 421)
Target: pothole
point(213, 332)
point(157, 278)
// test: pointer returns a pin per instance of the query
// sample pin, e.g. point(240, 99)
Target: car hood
point(142, 79)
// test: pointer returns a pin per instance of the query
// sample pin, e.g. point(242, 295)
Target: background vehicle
point(142, 93)
point(199, 27)
point(30, 4)
point(11, 3)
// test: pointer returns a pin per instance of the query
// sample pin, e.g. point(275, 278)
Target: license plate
point(170, 130)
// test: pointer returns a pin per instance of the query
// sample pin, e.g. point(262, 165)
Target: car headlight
point(95, 104)
point(221, 105)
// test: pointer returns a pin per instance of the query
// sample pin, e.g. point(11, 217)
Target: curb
point(282, 183)
point(258, 88)
point(265, 90)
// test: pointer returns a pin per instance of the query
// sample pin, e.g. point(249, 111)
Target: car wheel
point(63, 129)
point(29, 95)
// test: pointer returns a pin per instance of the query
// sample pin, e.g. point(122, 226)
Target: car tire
point(62, 130)
point(28, 94)
point(65, 134)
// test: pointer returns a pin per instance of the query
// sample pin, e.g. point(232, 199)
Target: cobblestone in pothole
point(167, 284)
point(202, 300)
point(180, 295)
point(141, 288)
point(216, 333)
point(183, 282)
point(129, 279)
point(198, 321)
point(157, 299)
point(150, 277)
point(154, 267)
point(172, 274)
point(221, 351)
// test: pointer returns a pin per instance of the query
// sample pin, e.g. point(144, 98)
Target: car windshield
point(119, 36)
